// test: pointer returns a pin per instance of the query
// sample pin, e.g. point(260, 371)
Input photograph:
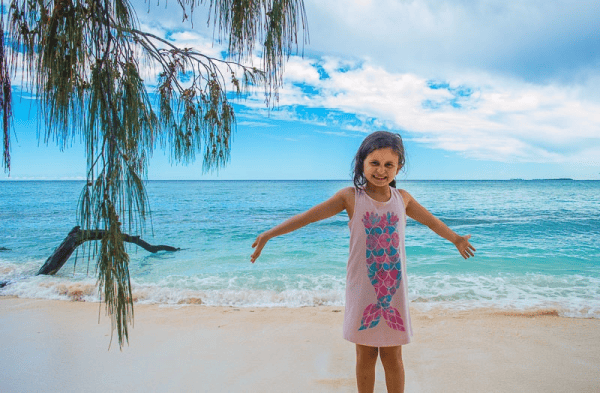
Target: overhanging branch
point(77, 237)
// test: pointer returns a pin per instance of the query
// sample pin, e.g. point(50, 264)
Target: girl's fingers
point(468, 250)
point(469, 247)
point(258, 245)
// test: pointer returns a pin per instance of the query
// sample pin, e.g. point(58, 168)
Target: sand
point(58, 346)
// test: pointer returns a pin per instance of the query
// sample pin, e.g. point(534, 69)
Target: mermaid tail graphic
point(383, 264)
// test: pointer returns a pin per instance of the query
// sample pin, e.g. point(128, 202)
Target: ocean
point(537, 245)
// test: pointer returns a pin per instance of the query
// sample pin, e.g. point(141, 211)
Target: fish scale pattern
point(384, 269)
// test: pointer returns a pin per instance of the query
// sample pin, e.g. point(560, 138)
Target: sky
point(478, 89)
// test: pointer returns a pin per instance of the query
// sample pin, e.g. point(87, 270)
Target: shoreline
point(53, 345)
point(576, 286)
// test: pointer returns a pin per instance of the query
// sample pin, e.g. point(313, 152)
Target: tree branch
point(77, 237)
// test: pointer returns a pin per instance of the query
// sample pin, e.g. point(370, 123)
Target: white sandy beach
point(58, 346)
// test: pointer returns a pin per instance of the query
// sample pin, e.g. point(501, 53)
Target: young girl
point(376, 315)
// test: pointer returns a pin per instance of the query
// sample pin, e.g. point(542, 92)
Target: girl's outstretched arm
point(417, 212)
point(329, 208)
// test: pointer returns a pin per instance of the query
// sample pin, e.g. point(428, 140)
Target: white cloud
point(534, 40)
point(258, 124)
point(299, 69)
point(497, 119)
point(522, 78)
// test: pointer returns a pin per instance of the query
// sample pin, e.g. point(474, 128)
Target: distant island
point(558, 178)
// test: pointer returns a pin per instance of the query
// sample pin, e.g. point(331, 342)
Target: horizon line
point(283, 180)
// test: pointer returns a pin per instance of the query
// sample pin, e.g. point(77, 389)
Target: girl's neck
point(380, 194)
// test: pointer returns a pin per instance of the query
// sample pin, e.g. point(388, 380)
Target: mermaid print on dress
point(384, 269)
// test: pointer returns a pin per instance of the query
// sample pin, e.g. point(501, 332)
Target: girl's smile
point(381, 167)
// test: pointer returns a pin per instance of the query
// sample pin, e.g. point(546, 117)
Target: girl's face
point(381, 167)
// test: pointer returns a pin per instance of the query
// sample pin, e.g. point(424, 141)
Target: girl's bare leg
point(366, 357)
point(391, 358)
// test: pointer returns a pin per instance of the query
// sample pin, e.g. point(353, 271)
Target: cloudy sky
point(479, 89)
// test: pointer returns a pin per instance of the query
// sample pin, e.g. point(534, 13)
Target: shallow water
point(537, 244)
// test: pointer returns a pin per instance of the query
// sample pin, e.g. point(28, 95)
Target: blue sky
point(478, 90)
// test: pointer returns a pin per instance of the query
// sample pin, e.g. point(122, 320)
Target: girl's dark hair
point(376, 140)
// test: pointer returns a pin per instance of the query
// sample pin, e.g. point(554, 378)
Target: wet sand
point(60, 346)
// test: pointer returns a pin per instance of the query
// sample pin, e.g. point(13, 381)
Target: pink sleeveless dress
point(377, 311)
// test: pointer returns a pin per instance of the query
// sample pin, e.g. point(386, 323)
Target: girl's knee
point(391, 355)
point(366, 355)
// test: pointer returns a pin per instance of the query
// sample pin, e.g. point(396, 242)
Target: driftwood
point(77, 237)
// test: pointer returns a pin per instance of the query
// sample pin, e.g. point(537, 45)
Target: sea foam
point(572, 296)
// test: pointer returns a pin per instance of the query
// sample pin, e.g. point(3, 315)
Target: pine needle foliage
point(83, 58)
point(5, 97)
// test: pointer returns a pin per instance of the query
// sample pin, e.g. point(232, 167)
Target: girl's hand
point(258, 244)
point(464, 247)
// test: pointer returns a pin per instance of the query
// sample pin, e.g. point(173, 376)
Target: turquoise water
point(537, 245)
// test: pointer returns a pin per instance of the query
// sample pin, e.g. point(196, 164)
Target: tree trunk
point(77, 237)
